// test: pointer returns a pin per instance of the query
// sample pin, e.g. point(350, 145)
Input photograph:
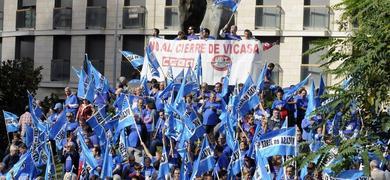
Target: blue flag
point(198, 69)
point(126, 117)
point(205, 161)
point(11, 122)
point(236, 161)
point(153, 62)
point(185, 168)
point(144, 85)
point(60, 137)
point(260, 81)
point(36, 113)
point(98, 118)
point(225, 85)
point(163, 171)
point(86, 152)
point(290, 92)
point(231, 4)
point(248, 97)
point(50, 164)
point(119, 102)
point(29, 136)
point(277, 142)
point(107, 163)
point(321, 89)
point(61, 120)
point(86, 86)
point(123, 145)
point(135, 60)
point(179, 77)
point(311, 104)
point(24, 167)
point(262, 167)
point(179, 101)
point(169, 75)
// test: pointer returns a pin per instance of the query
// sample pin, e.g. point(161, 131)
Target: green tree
point(17, 77)
point(363, 60)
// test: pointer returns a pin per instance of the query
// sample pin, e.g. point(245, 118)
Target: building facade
point(56, 34)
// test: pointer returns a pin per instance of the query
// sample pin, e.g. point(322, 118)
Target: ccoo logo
point(221, 62)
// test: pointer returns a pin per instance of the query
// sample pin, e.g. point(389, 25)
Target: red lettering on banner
point(211, 48)
point(227, 48)
point(216, 48)
point(236, 48)
point(243, 49)
point(153, 45)
point(179, 48)
point(177, 62)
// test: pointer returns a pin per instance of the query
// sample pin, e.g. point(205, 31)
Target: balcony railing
point(1, 20)
point(25, 18)
point(96, 17)
point(171, 20)
point(60, 70)
point(317, 17)
point(268, 17)
point(62, 18)
point(133, 17)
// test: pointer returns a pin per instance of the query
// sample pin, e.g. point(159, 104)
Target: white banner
point(244, 56)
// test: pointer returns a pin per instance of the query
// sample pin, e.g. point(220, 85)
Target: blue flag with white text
point(277, 142)
point(205, 161)
point(231, 4)
point(135, 60)
point(11, 122)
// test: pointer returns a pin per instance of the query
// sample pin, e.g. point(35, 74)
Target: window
point(96, 14)
point(171, 20)
point(25, 15)
point(62, 14)
point(268, 14)
point(134, 2)
point(26, 4)
point(95, 48)
point(316, 14)
point(135, 44)
point(134, 14)
point(102, 3)
point(311, 63)
point(24, 47)
point(60, 64)
point(63, 3)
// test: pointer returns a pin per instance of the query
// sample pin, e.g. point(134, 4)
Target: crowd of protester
point(147, 138)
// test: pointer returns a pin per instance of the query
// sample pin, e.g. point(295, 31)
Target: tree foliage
point(17, 77)
point(363, 61)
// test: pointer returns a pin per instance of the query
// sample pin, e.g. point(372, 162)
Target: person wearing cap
point(71, 102)
point(231, 35)
point(205, 34)
point(56, 112)
point(191, 34)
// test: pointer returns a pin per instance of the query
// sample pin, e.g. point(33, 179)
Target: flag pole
point(52, 158)
point(296, 150)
